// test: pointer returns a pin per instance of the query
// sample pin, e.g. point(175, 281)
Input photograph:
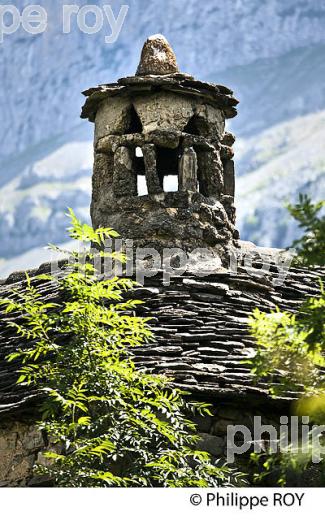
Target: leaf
point(84, 421)
point(53, 456)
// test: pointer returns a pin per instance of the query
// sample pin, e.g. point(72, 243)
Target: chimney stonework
point(163, 123)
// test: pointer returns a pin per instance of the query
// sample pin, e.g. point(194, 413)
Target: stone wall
point(213, 429)
point(20, 444)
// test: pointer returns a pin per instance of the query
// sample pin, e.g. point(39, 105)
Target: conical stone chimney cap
point(157, 58)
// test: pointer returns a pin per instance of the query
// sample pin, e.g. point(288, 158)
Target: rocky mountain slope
point(275, 166)
point(270, 52)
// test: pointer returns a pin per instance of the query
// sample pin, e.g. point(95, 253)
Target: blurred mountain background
point(270, 52)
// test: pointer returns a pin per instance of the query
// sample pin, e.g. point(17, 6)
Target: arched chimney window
point(197, 126)
point(135, 126)
point(191, 127)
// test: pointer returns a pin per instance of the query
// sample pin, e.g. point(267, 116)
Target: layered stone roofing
point(217, 95)
point(201, 331)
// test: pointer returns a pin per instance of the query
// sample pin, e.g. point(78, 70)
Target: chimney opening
point(170, 183)
point(135, 125)
point(142, 185)
point(138, 152)
point(191, 127)
point(167, 167)
point(197, 126)
point(138, 162)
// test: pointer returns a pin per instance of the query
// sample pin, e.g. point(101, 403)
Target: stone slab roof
point(201, 334)
point(216, 95)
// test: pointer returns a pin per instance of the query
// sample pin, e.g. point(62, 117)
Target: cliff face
point(270, 52)
point(44, 74)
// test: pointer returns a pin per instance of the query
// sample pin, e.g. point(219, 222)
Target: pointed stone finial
point(157, 58)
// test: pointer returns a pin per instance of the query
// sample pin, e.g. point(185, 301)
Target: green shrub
point(108, 423)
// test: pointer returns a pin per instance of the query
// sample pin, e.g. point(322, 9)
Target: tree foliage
point(311, 246)
point(108, 423)
point(291, 347)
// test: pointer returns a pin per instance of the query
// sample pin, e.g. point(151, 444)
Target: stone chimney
point(163, 168)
